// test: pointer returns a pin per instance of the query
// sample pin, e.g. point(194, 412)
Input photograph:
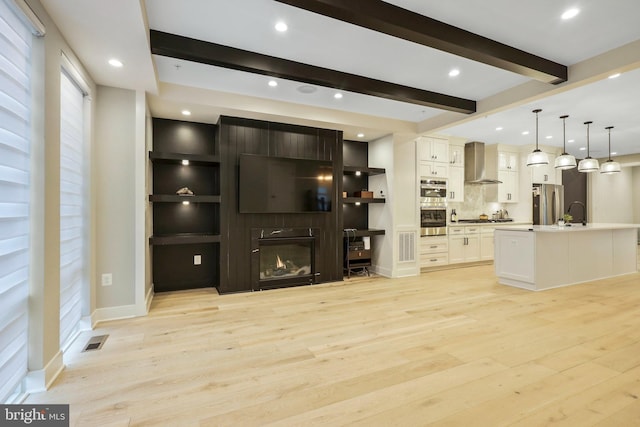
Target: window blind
point(72, 208)
point(15, 136)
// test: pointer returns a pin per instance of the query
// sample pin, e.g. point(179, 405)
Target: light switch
point(197, 259)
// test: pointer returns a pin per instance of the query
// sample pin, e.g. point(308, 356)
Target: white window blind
point(15, 136)
point(72, 208)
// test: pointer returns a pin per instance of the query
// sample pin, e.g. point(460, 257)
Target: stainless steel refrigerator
point(548, 203)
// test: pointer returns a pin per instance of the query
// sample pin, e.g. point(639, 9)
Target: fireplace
point(282, 257)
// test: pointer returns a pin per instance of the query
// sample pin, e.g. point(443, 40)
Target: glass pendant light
point(565, 161)
point(588, 164)
point(610, 166)
point(537, 157)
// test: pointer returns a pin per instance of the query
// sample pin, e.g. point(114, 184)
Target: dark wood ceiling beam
point(189, 49)
point(402, 23)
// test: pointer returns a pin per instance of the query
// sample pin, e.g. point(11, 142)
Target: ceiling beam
point(189, 49)
point(395, 21)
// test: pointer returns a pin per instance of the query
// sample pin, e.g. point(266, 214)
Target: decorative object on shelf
point(588, 164)
point(454, 216)
point(344, 194)
point(567, 217)
point(364, 194)
point(609, 166)
point(537, 157)
point(565, 161)
point(184, 191)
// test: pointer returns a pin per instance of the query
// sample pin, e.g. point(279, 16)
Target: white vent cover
point(407, 246)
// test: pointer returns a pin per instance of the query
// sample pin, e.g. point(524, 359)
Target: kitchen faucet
point(584, 210)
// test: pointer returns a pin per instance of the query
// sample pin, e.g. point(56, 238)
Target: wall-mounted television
point(284, 185)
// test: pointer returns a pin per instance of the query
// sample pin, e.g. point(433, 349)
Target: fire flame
point(279, 263)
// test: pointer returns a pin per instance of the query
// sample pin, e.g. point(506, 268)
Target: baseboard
point(40, 380)
point(123, 311)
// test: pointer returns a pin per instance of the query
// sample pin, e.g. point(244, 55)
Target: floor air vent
point(95, 343)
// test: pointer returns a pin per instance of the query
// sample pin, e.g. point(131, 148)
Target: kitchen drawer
point(472, 229)
point(363, 254)
point(429, 246)
point(455, 230)
point(487, 230)
point(433, 260)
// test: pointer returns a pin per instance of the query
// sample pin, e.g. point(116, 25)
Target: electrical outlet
point(107, 279)
point(197, 259)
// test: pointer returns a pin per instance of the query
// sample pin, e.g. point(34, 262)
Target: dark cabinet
point(186, 227)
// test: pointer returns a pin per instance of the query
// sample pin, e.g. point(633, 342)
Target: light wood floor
point(449, 348)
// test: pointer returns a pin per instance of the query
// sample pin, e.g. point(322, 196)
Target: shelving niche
point(186, 228)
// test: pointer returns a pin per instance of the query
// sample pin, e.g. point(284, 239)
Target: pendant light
point(610, 166)
point(588, 164)
point(537, 157)
point(565, 161)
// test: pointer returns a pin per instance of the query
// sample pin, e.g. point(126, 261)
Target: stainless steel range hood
point(474, 172)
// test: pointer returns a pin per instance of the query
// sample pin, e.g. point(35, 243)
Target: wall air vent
point(407, 246)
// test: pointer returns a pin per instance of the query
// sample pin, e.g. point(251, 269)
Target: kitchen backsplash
point(474, 203)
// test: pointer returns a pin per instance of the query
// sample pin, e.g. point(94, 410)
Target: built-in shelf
point(194, 159)
point(362, 200)
point(184, 239)
point(174, 198)
point(352, 170)
point(362, 233)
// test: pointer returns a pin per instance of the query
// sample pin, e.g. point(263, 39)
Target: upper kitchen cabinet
point(502, 163)
point(455, 184)
point(547, 174)
point(433, 157)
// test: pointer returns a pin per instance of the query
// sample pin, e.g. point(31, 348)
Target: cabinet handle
point(433, 247)
point(546, 177)
point(433, 259)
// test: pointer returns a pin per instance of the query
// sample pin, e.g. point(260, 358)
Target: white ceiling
point(592, 45)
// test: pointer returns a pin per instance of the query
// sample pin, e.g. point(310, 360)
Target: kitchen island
point(548, 256)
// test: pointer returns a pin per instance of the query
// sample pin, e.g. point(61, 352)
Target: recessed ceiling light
point(273, 83)
point(185, 163)
point(526, 132)
point(499, 128)
point(281, 27)
point(549, 137)
point(571, 140)
point(454, 72)
point(614, 76)
point(613, 153)
point(570, 13)
point(115, 62)
point(361, 135)
point(337, 95)
point(186, 112)
point(582, 148)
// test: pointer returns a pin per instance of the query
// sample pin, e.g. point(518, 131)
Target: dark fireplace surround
point(283, 257)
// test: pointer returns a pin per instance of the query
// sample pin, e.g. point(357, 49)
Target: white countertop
point(569, 229)
point(489, 223)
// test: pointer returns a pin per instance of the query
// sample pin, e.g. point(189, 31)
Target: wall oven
point(433, 208)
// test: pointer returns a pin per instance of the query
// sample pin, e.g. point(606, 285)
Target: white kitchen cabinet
point(456, 155)
point(502, 163)
point(486, 243)
point(433, 149)
point(464, 244)
point(455, 185)
point(508, 160)
point(434, 251)
point(546, 174)
point(433, 169)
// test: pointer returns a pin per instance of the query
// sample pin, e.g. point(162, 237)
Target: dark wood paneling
point(237, 136)
point(355, 153)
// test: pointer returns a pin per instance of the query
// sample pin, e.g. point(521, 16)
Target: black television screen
point(284, 185)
